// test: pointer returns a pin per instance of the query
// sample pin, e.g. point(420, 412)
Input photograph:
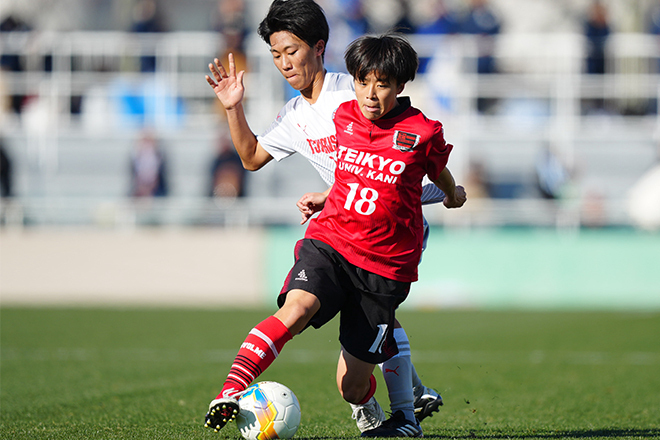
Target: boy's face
point(376, 96)
point(296, 60)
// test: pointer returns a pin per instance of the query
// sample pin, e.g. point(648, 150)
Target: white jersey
point(309, 129)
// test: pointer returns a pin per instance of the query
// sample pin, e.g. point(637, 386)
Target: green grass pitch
point(150, 374)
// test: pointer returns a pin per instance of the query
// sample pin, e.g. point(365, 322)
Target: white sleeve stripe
point(431, 194)
point(266, 339)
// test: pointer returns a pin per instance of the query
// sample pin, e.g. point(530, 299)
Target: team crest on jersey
point(404, 141)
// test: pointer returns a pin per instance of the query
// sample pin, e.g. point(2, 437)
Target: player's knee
point(302, 304)
point(298, 309)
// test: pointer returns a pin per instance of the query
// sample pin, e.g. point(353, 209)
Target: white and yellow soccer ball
point(269, 410)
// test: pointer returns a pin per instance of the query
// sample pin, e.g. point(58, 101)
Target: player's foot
point(428, 402)
point(396, 426)
point(220, 412)
point(368, 416)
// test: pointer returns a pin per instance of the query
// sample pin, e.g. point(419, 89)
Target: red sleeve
point(438, 152)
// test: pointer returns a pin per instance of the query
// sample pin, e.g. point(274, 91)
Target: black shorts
point(366, 301)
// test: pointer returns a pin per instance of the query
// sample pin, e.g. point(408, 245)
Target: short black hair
point(389, 55)
point(303, 18)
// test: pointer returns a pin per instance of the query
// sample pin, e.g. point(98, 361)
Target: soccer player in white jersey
point(297, 33)
point(360, 255)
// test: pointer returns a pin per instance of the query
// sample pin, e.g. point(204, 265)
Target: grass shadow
point(568, 434)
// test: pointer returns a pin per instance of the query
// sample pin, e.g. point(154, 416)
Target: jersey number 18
point(365, 204)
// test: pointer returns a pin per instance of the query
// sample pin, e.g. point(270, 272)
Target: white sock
point(418, 388)
point(397, 373)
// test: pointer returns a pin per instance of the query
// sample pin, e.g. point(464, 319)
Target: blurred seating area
point(552, 107)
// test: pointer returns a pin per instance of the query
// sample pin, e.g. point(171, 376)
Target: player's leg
point(310, 296)
point(355, 379)
point(427, 400)
point(402, 422)
point(357, 385)
point(399, 373)
point(260, 348)
point(366, 334)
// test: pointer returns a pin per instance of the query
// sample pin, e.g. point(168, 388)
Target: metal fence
point(71, 140)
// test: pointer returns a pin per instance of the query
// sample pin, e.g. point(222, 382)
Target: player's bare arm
point(229, 88)
point(455, 195)
point(311, 203)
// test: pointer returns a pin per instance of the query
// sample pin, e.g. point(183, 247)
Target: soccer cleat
point(368, 416)
point(396, 426)
point(427, 403)
point(220, 412)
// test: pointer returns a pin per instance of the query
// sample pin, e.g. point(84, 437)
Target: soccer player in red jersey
point(360, 255)
point(297, 33)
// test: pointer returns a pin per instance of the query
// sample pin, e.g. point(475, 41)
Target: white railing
point(128, 214)
point(543, 69)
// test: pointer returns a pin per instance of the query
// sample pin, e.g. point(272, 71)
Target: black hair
point(303, 18)
point(388, 55)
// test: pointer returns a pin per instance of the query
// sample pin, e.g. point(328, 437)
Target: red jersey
point(373, 214)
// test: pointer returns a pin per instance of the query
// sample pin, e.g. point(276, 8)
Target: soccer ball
point(269, 410)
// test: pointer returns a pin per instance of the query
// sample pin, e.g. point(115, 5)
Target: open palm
point(227, 87)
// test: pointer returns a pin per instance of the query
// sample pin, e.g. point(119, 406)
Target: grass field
point(149, 374)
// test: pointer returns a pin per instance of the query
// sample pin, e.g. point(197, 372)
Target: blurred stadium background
point(555, 123)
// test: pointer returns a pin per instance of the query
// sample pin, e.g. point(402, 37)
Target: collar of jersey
point(404, 104)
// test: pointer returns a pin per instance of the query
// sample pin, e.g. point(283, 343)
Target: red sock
point(371, 392)
point(261, 347)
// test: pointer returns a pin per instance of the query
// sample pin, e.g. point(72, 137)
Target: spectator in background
point(644, 198)
point(551, 174)
point(476, 181)
point(148, 168)
point(405, 23)
point(13, 62)
point(5, 172)
point(482, 22)
point(348, 20)
point(230, 23)
point(654, 28)
point(654, 23)
point(442, 22)
point(355, 18)
point(147, 19)
point(597, 30)
point(592, 210)
point(227, 172)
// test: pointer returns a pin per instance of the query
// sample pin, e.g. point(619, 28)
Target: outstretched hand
point(309, 204)
point(227, 87)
